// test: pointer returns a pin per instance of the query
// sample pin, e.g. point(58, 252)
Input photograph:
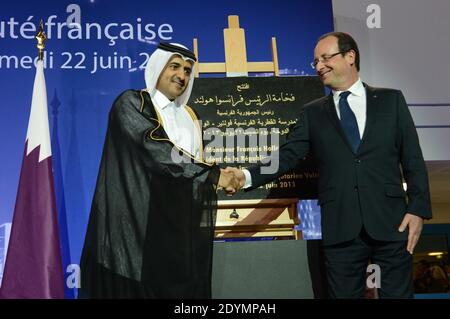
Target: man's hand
point(239, 176)
point(231, 180)
point(414, 224)
point(228, 181)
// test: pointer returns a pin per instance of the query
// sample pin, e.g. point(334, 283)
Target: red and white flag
point(33, 267)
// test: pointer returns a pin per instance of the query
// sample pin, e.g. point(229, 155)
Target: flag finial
point(41, 37)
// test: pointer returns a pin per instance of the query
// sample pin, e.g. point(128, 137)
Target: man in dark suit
point(365, 144)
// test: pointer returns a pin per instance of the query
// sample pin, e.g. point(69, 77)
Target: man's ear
point(351, 57)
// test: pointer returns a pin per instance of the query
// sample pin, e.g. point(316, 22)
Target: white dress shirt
point(358, 104)
point(178, 124)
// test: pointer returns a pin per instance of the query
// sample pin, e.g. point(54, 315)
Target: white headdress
point(157, 62)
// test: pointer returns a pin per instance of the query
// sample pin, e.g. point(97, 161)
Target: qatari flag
point(33, 267)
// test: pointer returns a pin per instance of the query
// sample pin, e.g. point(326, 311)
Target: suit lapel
point(332, 115)
point(371, 109)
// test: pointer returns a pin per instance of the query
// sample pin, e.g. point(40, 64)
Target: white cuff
point(248, 178)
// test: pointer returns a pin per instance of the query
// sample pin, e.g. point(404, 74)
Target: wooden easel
point(236, 63)
point(249, 218)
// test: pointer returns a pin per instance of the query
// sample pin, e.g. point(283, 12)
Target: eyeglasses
point(325, 59)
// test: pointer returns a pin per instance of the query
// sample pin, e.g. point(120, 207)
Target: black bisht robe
point(151, 226)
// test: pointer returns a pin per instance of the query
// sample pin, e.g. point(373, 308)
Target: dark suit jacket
point(363, 188)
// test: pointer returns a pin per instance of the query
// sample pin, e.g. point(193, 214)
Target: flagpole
point(41, 37)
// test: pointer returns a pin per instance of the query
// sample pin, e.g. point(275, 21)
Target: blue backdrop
point(96, 49)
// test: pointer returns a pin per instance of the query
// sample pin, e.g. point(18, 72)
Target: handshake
point(231, 180)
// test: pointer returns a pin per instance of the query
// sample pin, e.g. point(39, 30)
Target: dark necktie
point(348, 121)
